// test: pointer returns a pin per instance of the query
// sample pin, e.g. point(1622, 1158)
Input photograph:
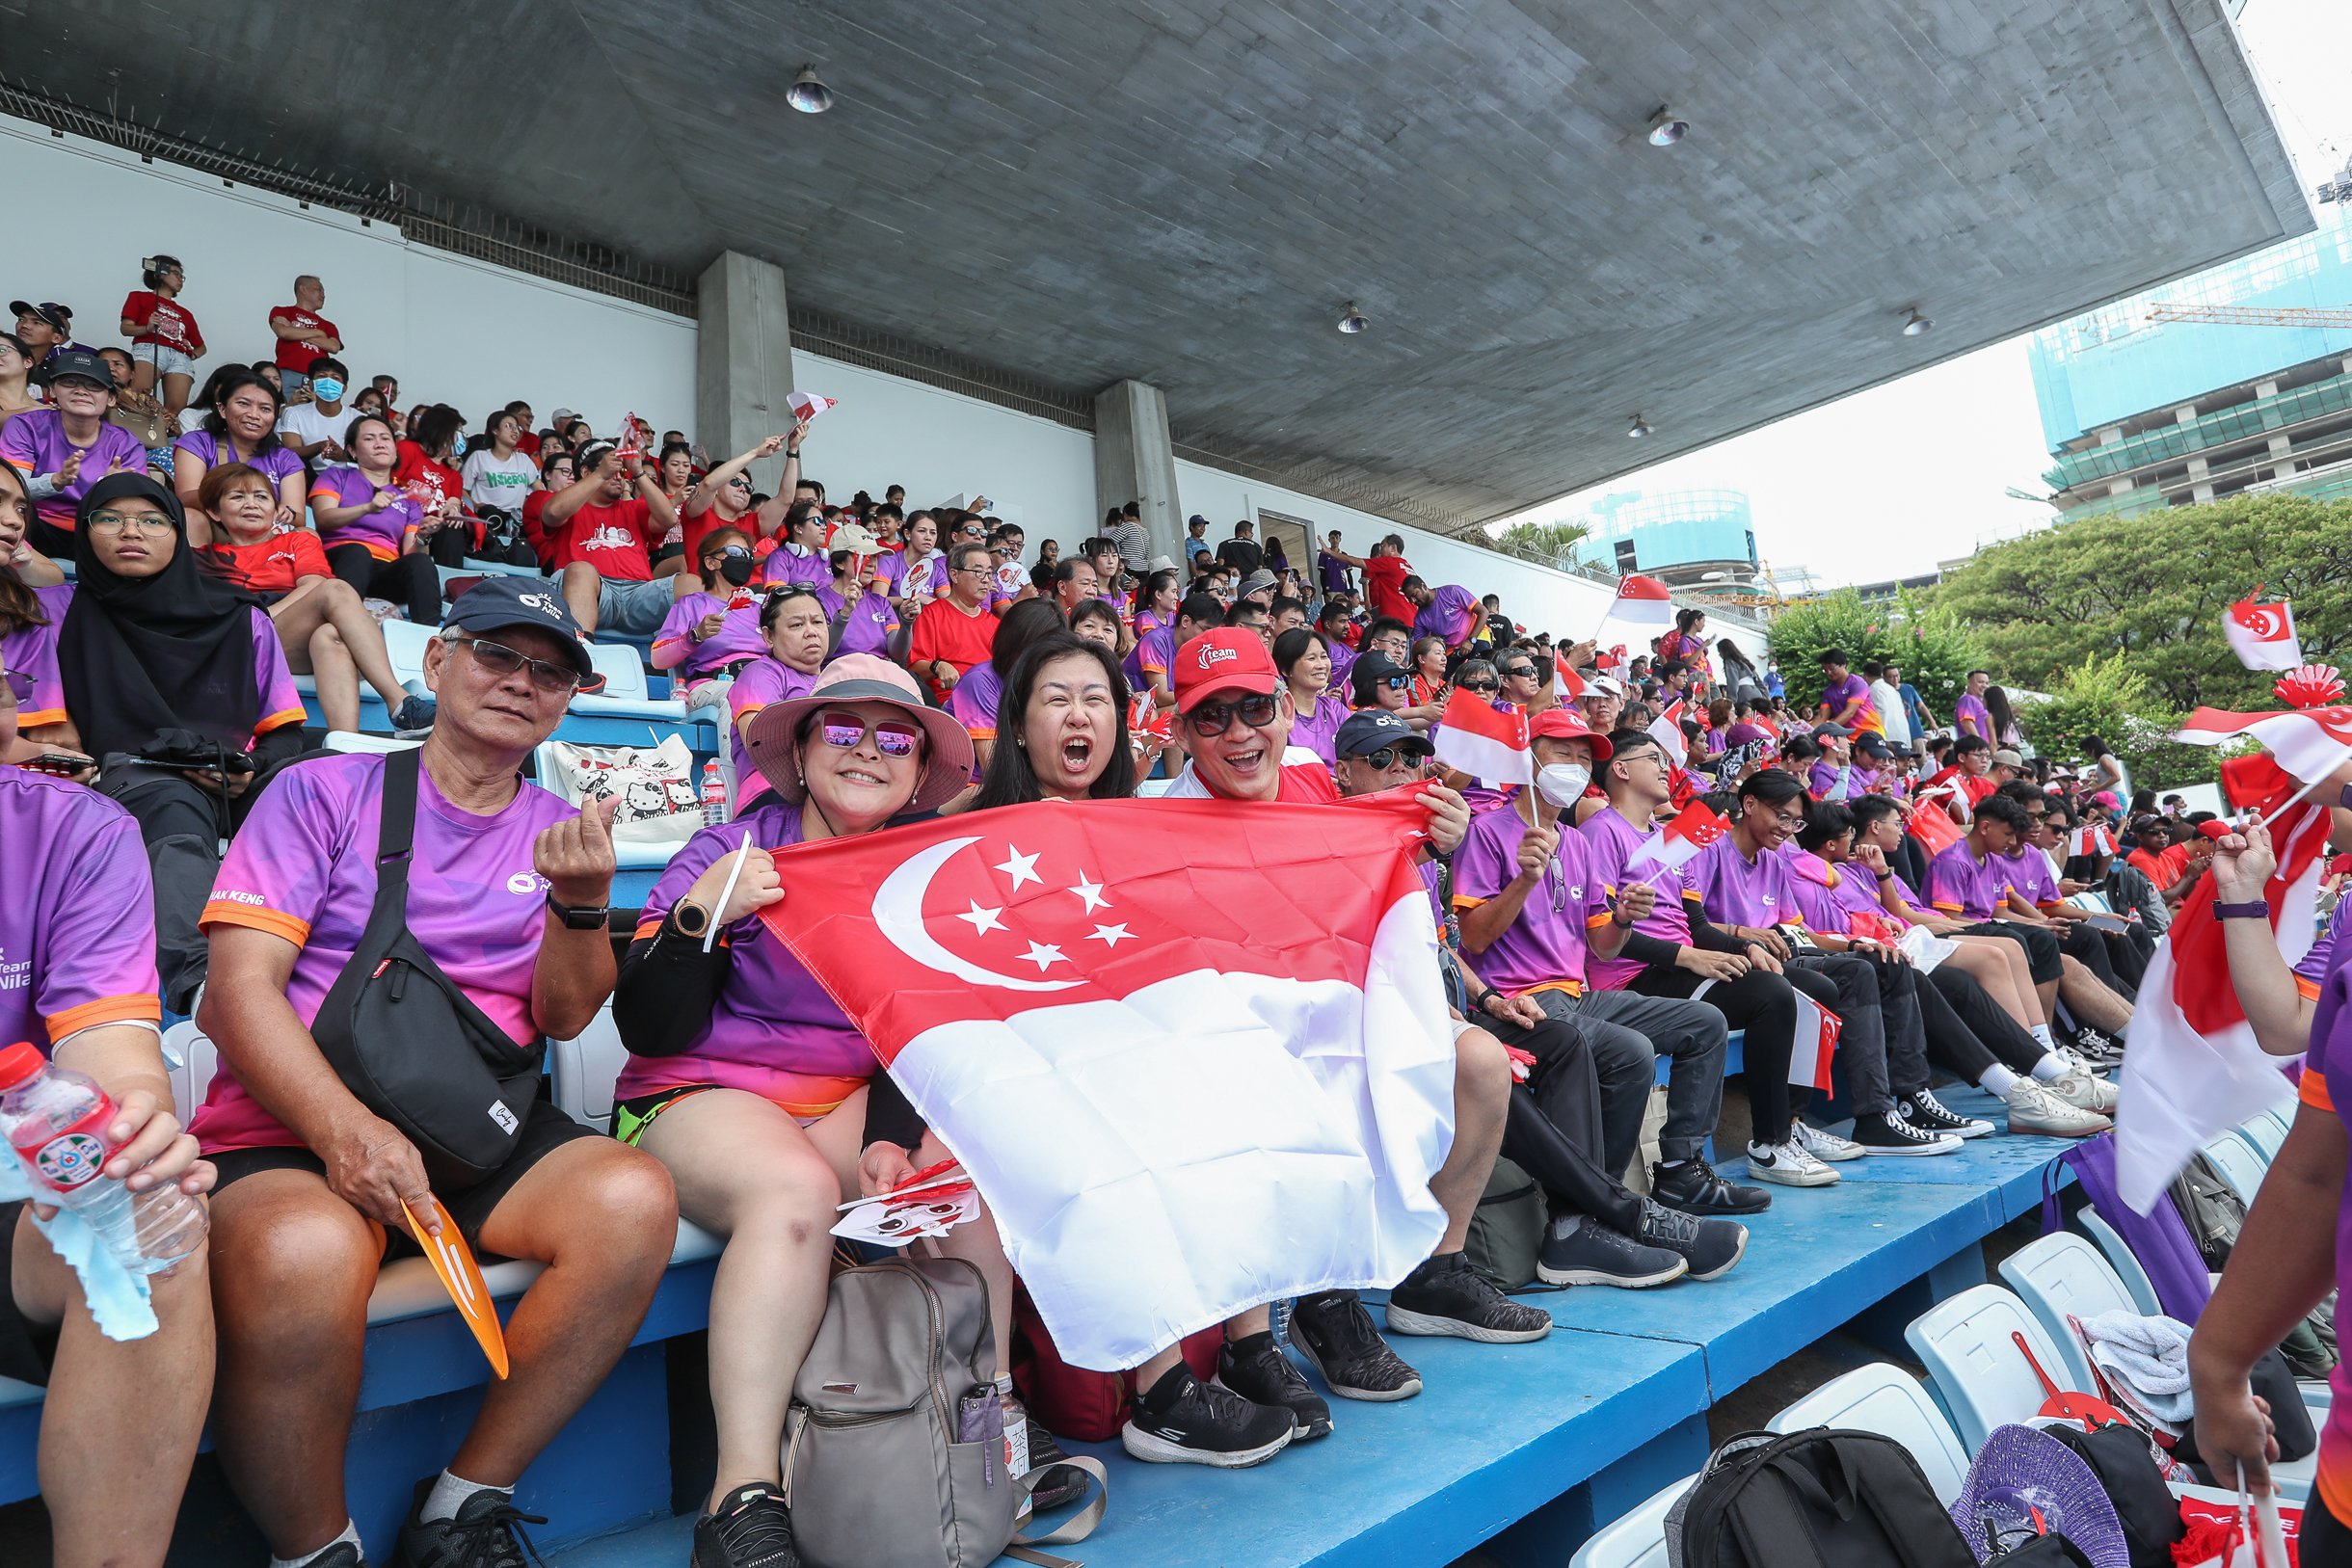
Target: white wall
point(454, 331)
point(477, 335)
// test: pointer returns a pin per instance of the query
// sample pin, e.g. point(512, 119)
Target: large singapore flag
point(1194, 1053)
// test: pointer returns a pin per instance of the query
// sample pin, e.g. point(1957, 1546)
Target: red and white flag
point(1667, 731)
point(2310, 743)
point(2262, 637)
point(1642, 601)
point(1484, 741)
point(1693, 828)
point(806, 406)
point(2193, 1067)
point(2091, 838)
point(1815, 1044)
point(1566, 683)
point(1055, 990)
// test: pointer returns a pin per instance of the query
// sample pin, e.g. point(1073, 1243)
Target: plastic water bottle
point(714, 794)
point(56, 1120)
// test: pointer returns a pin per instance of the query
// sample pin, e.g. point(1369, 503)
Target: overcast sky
point(1943, 444)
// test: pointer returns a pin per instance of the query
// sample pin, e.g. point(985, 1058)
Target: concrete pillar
point(1134, 462)
point(742, 361)
point(2185, 415)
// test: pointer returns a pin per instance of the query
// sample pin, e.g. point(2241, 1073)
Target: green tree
point(2155, 588)
point(1934, 648)
point(2109, 698)
point(1546, 540)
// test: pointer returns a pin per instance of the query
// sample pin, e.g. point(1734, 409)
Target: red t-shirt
point(174, 327)
point(696, 525)
point(293, 354)
point(1382, 574)
point(616, 540)
point(945, 634)
point(437, 480)
point(274, 565)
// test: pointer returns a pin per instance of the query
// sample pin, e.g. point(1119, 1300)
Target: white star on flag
point(1111, 936)
point(1042, 953)
point(985, 921)
point(1090, 891)
point(1021, 867)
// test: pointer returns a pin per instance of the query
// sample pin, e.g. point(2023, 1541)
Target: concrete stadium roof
point(1187, 192)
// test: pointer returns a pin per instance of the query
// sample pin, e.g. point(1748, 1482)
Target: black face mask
point(737, 569)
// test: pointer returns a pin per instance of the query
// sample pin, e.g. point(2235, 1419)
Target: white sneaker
point(2084, 1092)
point(2077, 1062)
point(1825, 1144)
point(1788, 1165)
point(2034, 1108)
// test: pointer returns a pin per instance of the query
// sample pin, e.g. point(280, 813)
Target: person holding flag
point(1747, 882)
point(1536, 917)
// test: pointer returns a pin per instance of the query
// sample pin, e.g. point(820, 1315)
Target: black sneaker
point(341, 1555)
point(486, 1534)
point(750, 1529)
point(1334, 1332)
point(1446, 1295)
point(1892, 1135)
point(1710, 1247)
point(1695, 1188)
point(1929, 1114)
point(1059, 1482)
point(1182, 1420)
point(1580, 1250)
point(2098, 1045)
point(1255, 1368)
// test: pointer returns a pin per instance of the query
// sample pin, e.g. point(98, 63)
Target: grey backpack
point(1507, 1232)
point(896, 1404)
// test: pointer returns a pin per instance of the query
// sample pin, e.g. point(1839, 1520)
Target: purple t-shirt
point(1735, 891)
point(1546, 945)
point(737, 637)
point(77, 935)
point(34, 442)
point(1829, 781)
point(973, 703)
point(1335, 571)
point(32, 651)
point(1448, 615)
point(2029, 873)
point(275, 461)
point(2314, 965)
point(303, 867)
point(1317, 730)
point(785, 565)
point(772, 1031)
point(1846, 691)
point(930, 576)
point(769, 680)
point(1968, 706)
point(869, 628)
point(1960, 885)
point(1613, 841)
point(1147, 662)
point(385, 533)
point(1830, 896)
point(1343, 660)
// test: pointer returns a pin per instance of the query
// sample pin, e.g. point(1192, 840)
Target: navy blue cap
point(1373, 729)
point(495, 603)
point(80, 362)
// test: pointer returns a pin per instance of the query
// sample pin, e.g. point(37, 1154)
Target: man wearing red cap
point(1534, 913)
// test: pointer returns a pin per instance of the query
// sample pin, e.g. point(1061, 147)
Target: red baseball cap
point(1568, 724)
point(1227, 658)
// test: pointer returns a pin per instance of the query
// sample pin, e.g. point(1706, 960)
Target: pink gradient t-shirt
point(302, 866)
point(768, 680)
point(77, 932)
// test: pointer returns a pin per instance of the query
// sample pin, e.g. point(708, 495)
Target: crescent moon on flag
point(898, 912)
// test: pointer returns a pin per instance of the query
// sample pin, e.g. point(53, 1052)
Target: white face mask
point(1562, 784)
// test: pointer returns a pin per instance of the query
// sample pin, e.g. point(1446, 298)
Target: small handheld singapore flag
point(2262, 637)
point(1053, 987)
point(1484, 741)
point(1642, 601)
point(1693, 828)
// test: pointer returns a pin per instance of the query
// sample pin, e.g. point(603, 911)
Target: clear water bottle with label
point(56, 1120)
point(714, 794)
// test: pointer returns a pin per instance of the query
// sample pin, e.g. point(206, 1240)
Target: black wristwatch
point(580, 919)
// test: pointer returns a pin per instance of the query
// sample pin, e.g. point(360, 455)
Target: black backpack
point(1819, 1499)
point(2119, 1455)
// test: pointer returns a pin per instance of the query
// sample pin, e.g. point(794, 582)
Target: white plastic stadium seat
point(2239, 1166)
point(627, 857)
point(1637, 1539)
point(404, 641)
point(2267, 1133)
point(189, 1058)
point(344, 740)
point(582, 1071)
point(1890, 1401)
point(1964, 1344)
point(626, 695)
point(2060, 1274)
point(2120, 1257)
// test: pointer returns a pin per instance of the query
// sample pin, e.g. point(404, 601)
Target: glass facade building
point(1698, 538)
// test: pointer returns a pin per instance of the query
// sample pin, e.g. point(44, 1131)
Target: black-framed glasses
point(971, 571)
point(1520, 672)
point(1481, 685)
point(1383, 757)
point(1211, 719)
point(499, 660)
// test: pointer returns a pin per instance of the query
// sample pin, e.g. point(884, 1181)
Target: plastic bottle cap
point(19, 1062)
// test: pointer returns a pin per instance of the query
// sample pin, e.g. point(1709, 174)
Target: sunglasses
point(499, 660)
point(1385, 758)
point(893, 738)
point(1211, 719)
point(1396, 682)
point(1520, 671)
point(1481, 685)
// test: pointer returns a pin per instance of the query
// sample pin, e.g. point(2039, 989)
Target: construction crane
point(2253, 315)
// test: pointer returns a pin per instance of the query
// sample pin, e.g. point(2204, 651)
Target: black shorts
point(27, 1349)
point(544, 1131)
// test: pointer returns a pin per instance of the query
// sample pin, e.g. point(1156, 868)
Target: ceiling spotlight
point(1915, 324)
point(1638, 429)
point(806, 94)
point(1667, 127)
point(1353, 321)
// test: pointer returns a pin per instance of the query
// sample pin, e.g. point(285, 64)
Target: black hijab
point(139, 655)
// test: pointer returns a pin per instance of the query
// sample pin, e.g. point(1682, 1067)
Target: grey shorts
point(638, 607)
